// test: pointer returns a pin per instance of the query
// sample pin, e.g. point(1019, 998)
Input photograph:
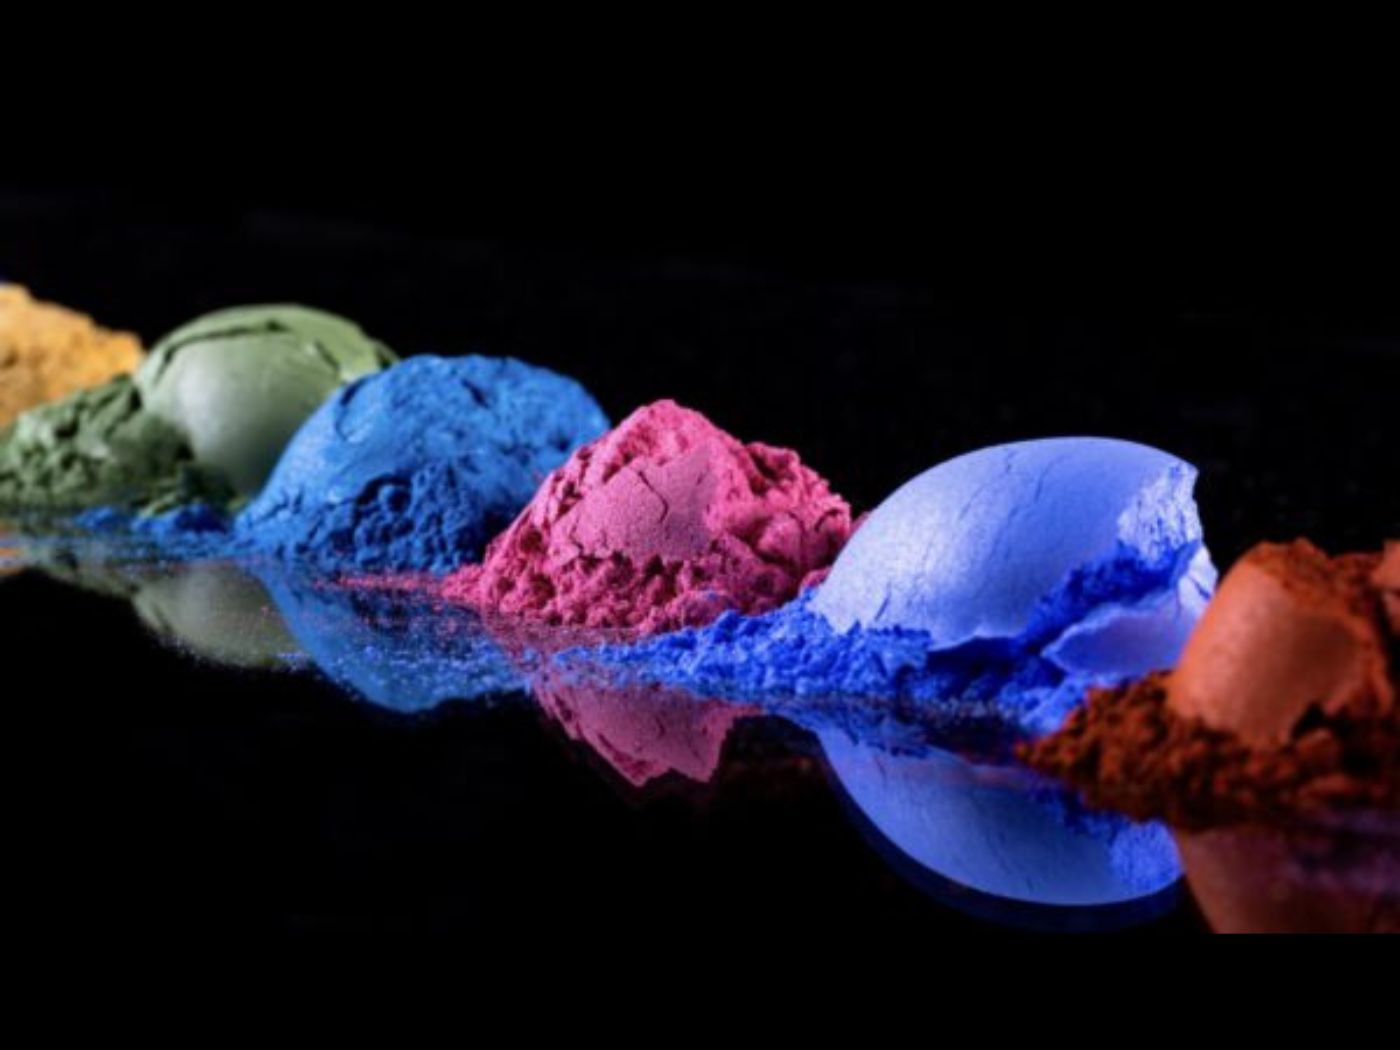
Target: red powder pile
point(1285, 701)
point(664, 522)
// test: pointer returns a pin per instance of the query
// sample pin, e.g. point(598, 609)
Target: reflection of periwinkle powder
point(417, 467)
point(998, 831)
point(1003, 582)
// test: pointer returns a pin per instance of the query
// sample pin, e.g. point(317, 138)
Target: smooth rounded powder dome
point(238, 383)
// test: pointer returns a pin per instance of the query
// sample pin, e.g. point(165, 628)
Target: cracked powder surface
point(665, 522)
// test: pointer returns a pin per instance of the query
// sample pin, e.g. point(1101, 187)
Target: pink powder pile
point(664, 522)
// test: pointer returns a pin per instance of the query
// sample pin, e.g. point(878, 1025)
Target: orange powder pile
point(48, 352)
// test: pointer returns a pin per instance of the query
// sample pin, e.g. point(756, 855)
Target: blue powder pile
point(996, 586)
point(415, 468)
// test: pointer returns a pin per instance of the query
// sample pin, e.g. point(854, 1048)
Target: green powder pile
point(98, 447)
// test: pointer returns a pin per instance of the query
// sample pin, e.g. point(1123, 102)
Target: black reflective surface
point(252, 775)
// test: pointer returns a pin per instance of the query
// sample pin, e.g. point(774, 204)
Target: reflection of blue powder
point(998, 831)
point(395, 650)
point(1003, 583)
point(417, 467)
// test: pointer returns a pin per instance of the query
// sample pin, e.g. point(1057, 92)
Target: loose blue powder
point(415, 468)
point(994, 588)
point(190, 532)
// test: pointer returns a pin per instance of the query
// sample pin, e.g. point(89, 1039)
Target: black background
point(876, 326)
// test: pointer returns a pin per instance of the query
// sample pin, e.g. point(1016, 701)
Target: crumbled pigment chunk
point(237, 384)
point(416, 468)
point(1004, 581)
point(48, 352)
point(667, 521)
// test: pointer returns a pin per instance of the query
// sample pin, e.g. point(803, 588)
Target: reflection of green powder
point(216, 611)
point(94, 448)
point(238, 383)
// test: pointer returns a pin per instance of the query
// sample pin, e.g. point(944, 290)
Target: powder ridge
point(666, 521)
point(48, 352)
point(1119, 544)
point(417, 467)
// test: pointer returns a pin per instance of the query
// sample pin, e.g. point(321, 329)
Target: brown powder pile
point(1127, 750)
point(48, 352)
point(1284, 703)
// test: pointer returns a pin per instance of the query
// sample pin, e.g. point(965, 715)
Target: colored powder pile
point(665, 522)
point(237, 384)
point(48, 352)
point(98, 447)
point(415, 468)
point(997, 585)
point(1285, 701)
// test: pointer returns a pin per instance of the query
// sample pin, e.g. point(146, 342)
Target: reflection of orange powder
point(6, 554)
point(48, 352)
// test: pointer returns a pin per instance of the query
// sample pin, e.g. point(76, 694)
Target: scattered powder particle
point(665, 522)
point(48, 352)
point(1284, 701)
point(415, 468)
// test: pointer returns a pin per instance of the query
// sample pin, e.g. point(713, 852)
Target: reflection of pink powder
point(642, 731)
point(664, 522)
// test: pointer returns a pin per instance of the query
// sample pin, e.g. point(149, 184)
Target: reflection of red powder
point(665, 522)
point(1284, 699)
point(642, 731)
point(1309, 880)
point(1388, 580)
